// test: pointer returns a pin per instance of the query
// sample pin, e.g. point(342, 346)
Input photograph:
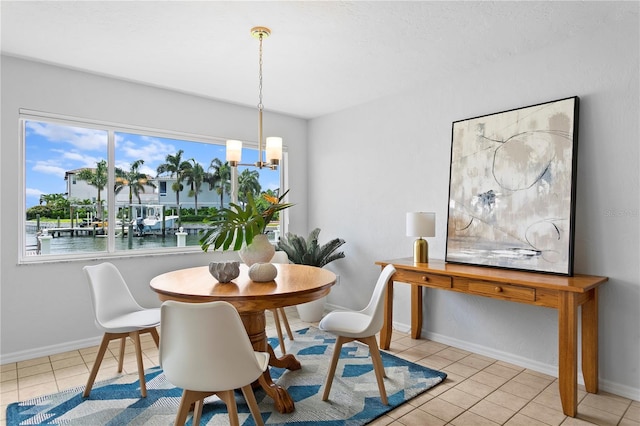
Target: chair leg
point(229, 398)
point(276, 319)
point(123, 343)
point(378, 367)
point(183, 410)
point(286, 323)
point(96, 365)
point(332, 368)
point(197, 412)
point(156, 337)
point(135, 336)
point(188, 398)
point(249, 396)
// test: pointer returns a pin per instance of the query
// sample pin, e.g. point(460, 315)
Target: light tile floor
point(478, 390)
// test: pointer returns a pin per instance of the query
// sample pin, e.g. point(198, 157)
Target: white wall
point(46, 308)
point(375, 162)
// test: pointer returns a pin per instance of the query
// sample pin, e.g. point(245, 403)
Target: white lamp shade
point(421, 224)
point(274, 148)
point(234, 150)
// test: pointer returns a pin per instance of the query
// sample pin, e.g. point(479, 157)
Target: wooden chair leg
point(188, 398)
point(276, 319)
point(249, 396)
point(332, 368)
point(285, 320)
point(155, 336)
point(183, 410)
point(135, 336)
point(378, 367)
point(96, 365)
point(229, 398)
point(197, 412)
point(123, 343)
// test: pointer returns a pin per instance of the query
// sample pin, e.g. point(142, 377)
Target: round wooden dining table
point(293, 285)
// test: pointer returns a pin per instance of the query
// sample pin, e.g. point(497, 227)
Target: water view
point(65, 243)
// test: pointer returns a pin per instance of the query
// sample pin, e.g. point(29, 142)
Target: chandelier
point(273, 145)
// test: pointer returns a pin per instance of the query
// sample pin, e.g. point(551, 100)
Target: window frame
point(112, 128)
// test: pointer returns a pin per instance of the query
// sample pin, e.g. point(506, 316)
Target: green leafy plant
point(235, 225)
point(309, 252)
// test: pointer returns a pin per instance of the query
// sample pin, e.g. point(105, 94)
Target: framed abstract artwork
point(512, 188)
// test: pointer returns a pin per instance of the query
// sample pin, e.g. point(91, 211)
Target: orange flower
point(269, 198)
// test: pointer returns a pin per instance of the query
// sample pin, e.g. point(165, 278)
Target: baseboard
point(49, 350)
point(618, 389)
point(551, 370)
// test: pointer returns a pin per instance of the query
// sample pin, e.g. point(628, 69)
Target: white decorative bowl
point(224, 272)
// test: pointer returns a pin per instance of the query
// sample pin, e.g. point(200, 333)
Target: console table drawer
point(421, 278)
point(510, 291)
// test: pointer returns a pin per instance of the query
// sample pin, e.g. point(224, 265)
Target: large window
point(92, 188)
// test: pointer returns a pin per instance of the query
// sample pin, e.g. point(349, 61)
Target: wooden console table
point(552, 291)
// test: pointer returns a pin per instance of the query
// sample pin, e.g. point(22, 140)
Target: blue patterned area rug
point(354, 398)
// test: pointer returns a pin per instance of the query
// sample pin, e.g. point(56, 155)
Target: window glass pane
point(159, 185)
point(165, 184)
point(162, 184)
point(65, 188)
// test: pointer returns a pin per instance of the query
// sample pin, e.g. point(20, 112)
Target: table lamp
point(421, 224)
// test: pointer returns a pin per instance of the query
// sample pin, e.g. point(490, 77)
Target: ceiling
point(322, 56)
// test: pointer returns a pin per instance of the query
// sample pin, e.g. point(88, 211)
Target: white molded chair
point(278, 313)
point(205, 350)
point(361, 326)
point(119, 316)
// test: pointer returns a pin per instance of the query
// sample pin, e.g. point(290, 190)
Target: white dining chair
point(360, 326)
point(119, 316)
point(279, 313)
point(205, 350)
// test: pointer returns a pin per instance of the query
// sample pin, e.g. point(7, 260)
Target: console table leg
point(590, 342)
point(568, 352)
point(416, 311)
point(387, 326)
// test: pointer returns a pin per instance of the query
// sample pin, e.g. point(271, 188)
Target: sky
point(52, 149)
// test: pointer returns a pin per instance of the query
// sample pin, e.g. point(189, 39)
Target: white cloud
point(81, 138)
point(148, 171)
point(154, 150)
point(32, 192)
point(49, 169)
point(86, 160)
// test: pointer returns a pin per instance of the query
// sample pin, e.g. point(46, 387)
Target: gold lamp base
point(421, 251)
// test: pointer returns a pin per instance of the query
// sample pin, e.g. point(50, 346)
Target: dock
point(77, 230)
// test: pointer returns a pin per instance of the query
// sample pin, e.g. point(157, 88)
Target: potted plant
point(309, 252)
point(243, 228)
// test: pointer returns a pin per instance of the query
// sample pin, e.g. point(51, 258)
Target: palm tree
point(57, 204)
point(52, 199)
point(133, 179)
point(220, 179)
point(195, 178)
point(175, 166)
point(98, 178)
point(248, 181)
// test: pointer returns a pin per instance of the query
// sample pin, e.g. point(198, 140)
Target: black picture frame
point(512, 187)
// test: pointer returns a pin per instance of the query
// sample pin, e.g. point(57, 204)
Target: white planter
point(312, 311)
point(259, 251)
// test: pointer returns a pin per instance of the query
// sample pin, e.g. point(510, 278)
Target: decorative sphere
point(262, 272)
point(224, 271)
